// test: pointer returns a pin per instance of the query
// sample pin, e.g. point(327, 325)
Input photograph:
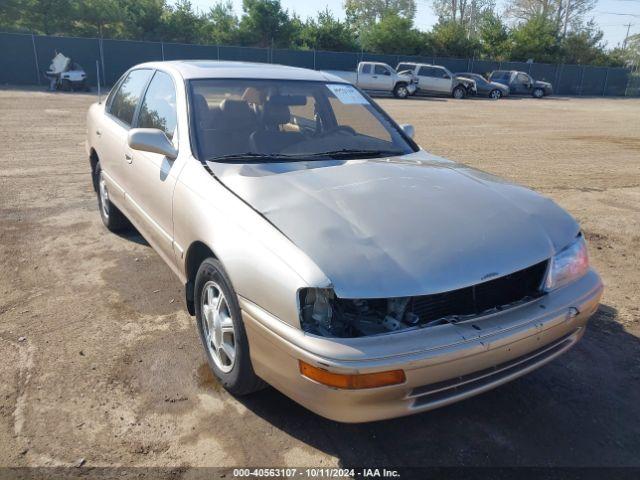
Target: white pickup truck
point(437, 80)
point(380, 77)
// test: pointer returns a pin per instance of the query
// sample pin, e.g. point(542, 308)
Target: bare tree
point(566, 14)
point(465, 12)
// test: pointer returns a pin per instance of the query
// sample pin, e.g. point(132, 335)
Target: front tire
point(495, 94)
point(222, 330)
point(538, 93)
point(459, 92)
point(111, 216)
point(401, 91)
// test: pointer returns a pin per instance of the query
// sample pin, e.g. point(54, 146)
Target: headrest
point(200, 103)
point(236, 111)
point(275, 114)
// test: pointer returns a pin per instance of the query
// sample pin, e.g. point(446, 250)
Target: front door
point(112, 133)
point(153, 176)
point(523, 84)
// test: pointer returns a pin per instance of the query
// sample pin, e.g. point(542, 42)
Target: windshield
point(262, 120)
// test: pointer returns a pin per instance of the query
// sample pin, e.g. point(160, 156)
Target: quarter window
point(125, 101)
point(158, 109)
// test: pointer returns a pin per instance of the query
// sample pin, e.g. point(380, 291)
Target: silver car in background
point(323, 252)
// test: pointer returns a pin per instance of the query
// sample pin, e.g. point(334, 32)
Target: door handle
point(128, 158)
point(374, 76)
point(98, 132)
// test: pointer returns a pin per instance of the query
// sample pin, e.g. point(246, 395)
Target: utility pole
point(624, 44)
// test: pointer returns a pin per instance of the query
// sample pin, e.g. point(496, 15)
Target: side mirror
point(151, 140)
point(408, 130)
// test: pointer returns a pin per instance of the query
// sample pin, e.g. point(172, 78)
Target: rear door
point(119, 113)
point(366, 78)
point(430, 79)
point(153, 176)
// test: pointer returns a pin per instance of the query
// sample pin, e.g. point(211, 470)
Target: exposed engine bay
point(323, 313)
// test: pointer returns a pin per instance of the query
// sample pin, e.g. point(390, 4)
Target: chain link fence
point(26, 57)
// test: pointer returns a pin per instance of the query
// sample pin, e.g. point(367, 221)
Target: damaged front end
point(323, 313)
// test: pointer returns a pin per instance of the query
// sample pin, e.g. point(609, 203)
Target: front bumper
point(443, 364)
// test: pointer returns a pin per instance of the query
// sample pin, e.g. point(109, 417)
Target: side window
point(426, 72)
point(158, 109)
point(366, 68)
point(381, 70)
point(523, 78)
point(440, 73)
point(126, 99)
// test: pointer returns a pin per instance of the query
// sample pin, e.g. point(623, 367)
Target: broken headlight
point(568, 265)
point(322, 313)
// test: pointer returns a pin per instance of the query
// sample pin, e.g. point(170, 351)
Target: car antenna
point(98, 77)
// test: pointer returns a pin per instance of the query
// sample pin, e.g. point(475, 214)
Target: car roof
point(193, 69)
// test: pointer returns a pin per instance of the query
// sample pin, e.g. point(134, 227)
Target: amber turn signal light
point(352, 382)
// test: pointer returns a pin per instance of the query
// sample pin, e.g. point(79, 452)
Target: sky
point(611, 15)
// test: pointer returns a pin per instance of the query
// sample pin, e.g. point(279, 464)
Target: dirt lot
point(100, 360)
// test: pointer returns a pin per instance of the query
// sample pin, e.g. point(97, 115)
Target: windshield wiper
point(252, 157)
point(355, 153)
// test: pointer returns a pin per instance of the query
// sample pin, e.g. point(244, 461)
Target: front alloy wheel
point(495, 94)
point(458, 93)
point(219, 331)
point(538, 93)
point(222, 330)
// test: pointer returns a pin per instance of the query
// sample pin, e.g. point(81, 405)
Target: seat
point(270, 139)
point(230, 126)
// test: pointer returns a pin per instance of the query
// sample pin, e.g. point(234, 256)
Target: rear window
point(404, 66)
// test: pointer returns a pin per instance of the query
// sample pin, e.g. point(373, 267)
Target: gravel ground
point(101, 362)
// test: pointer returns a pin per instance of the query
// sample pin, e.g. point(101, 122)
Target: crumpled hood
point(402, 226)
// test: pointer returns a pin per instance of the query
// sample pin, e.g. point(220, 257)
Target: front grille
point(482, 297)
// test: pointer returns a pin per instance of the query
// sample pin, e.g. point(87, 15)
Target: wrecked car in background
point(324, 252)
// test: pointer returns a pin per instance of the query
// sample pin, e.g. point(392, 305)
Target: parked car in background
point(377, 77)
point(323, 251)
point(521, 83)
point(486, 88)
point(438, 80)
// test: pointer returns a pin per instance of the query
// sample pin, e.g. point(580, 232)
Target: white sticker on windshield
point(347, 94)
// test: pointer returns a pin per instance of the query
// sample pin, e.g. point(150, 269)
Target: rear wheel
point(222, 330)
point(538, 93)
point(495, 94)
point(459, 92)
point(401, 91)
point(111, 216)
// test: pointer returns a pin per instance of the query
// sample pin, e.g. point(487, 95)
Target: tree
point(101, 18)
point(392, 34)
point(493, 36)
point(41, 16)
point(327, 33)
point(536, 39)
point(566, 14)
point(585, 47)
point(265, 23)
point(144, 18)
point(362, 14)
point(466, 12)
point(183, 24)
point(449, 38)
point(221, 25)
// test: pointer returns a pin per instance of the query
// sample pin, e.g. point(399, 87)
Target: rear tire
point(401, 91)
point(459, 92)
point(495, 94)
point(111, 216)
point(538, 93)
point(222, 330)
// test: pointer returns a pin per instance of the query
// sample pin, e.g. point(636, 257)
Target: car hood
point(402, 226)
